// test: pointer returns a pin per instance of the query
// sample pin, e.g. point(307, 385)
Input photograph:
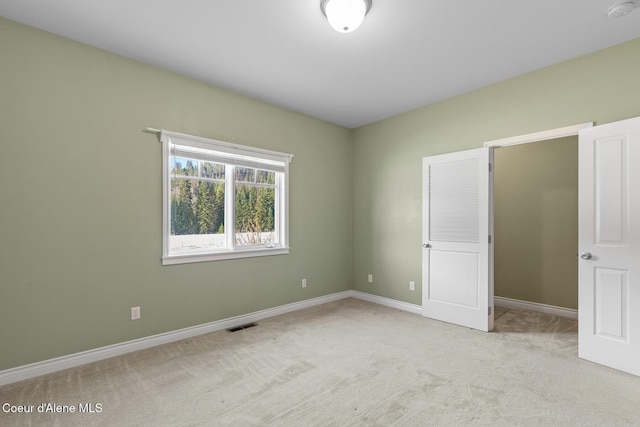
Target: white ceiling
point(406, 54)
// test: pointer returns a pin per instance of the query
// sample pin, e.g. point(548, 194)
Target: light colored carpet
point(347, 363)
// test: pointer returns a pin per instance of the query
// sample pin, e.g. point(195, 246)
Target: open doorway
point(536, 226)
point(457, 261)
point(536, 221)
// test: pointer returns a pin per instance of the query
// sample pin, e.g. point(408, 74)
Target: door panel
point(610, 190)
point(453, 278)
point(610, 301)
point(609, 245)
point(457, 261)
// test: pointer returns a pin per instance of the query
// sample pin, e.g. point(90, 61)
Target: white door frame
point(539, 137)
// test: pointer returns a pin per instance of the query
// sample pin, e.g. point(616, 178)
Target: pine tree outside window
point(222, 200)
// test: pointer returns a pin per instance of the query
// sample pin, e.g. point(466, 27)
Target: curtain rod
point(228, 144)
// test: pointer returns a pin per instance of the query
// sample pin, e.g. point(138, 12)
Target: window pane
point(212, 170)
point(197, 215)
point(184, 167)
point(255, 215)
point(201, 222)
point(265, 177)
point(245, 175)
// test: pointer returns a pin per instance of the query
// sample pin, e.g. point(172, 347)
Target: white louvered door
point(457, 257)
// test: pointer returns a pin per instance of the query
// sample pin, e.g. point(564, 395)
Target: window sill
point(247, 253)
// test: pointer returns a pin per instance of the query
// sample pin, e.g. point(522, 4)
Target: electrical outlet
point(135, 313)
point(370, 278)
point(412, 286)
point(304, 283)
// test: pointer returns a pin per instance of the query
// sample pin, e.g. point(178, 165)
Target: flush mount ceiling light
point(621, 9)
point(345, 15)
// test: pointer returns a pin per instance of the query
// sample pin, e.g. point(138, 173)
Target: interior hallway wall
point(536, 222)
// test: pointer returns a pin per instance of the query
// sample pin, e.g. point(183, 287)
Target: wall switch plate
point(412, 286)
point(370, 278)
point(304, 283)
point(135, 313)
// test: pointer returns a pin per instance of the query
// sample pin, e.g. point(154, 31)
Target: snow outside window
point(222, 200)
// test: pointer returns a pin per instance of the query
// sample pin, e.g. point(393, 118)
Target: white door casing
point(457, 257)
point(609, 245)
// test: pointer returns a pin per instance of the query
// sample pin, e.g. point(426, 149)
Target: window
point(222, 200)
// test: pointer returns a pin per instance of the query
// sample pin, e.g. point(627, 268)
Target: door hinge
point(489, 311)
point(489, 238)
point(490, 167)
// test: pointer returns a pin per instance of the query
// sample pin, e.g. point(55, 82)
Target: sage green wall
point(601, 87)
point(80, 210)
point(536, 222)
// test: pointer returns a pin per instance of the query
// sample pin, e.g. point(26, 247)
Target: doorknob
point(426, 245)
point(586, 255)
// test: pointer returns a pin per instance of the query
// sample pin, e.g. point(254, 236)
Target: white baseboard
point(400, 305)
point(32, 370)
point(65, 362)
point(515, 304)
point(21, 373)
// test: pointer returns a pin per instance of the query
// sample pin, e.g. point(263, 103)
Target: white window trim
point(279, 162)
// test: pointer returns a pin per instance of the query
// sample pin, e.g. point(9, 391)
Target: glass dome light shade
point(345, 16)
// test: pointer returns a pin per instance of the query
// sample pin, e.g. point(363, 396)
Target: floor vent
point(241, 327)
